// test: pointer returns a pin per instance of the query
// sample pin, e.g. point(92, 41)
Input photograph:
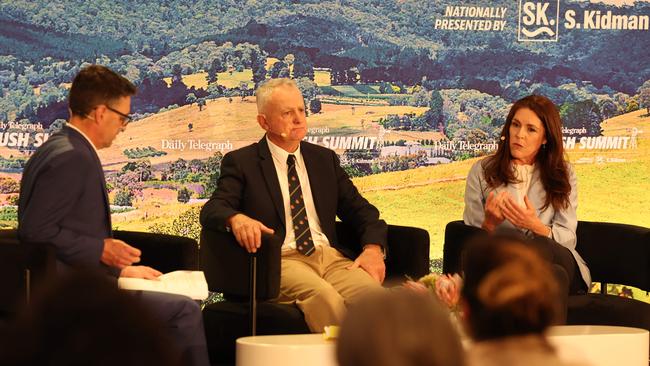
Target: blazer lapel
point(100, 171)
point(271, 178)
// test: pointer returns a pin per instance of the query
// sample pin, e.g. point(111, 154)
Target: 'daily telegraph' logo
point(538, 20)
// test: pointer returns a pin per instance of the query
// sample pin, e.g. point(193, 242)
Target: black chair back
point(23, 267)
point(456, 235)
point(163, 252)
point(616, 253)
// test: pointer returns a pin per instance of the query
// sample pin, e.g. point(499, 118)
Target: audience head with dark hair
point(508, 288)
point(510, 296)
point(398, 328)
point(83, 319)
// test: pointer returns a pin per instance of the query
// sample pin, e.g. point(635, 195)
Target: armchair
point(237, 274)
point(23, 267)
point(615, 253)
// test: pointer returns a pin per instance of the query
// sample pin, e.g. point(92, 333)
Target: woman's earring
point(543, 146)
point(503, 138)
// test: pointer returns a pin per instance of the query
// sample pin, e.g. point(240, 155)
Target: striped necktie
point(304, 241)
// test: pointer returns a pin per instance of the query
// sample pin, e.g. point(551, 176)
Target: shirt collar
point(82, 134)
point(281, 154)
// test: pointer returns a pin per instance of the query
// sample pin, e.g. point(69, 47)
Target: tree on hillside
point(141, 168)
point(644, 96)
point(337, 76)
point(420, 98)
point(289, 59)
point(309, 90)
point(303, 67)
point(215, 91)
point(352, 76)
point(607, 108)
point(123, 197)
point(433, 116)
point(183, 195)
point(632, 104)
point(315, 106)
point(213, 167)
point(385, 88)
point(190, 98)
point(177, 73)
point(215, 68)
point(201, 103)
point(258, 66)
point(279, 70)
point(582, 114)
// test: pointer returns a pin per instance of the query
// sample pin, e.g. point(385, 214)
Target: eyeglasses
point(126, 118)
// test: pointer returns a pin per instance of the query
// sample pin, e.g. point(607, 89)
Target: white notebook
point(188, 283)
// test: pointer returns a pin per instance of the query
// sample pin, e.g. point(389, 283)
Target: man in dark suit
point(295, 190)
point(63, 202)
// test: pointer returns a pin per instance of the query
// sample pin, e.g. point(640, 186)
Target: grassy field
point(322, 78)
point(227, 79)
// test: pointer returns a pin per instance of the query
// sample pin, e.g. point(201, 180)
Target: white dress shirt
point(524, 175)
point(280, 161)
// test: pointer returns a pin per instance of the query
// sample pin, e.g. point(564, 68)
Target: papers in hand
point(189, 283)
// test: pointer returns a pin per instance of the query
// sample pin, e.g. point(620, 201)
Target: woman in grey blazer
point(529, 186)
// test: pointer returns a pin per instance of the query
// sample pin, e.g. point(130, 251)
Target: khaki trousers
point(321, 285)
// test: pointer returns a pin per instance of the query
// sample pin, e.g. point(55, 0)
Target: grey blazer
point(563, 223)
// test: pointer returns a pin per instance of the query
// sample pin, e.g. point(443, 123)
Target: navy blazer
point(249, 184)
point(63, 201)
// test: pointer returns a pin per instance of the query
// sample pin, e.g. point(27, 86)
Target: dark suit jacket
point(249, 184)
point(63, 201)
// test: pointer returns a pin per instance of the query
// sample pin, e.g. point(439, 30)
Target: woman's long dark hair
point(551, 163)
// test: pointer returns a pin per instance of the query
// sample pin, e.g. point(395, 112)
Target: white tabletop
point(601, 345)
point(593, 344)
point(291, 349)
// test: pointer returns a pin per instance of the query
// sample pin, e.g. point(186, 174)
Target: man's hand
point(493, 214)
point(371, 260)
point(119, 254)
point(248, 231)
point(524, 217)
point(145, 272)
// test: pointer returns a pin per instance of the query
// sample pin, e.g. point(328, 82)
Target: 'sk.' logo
point(538, 20)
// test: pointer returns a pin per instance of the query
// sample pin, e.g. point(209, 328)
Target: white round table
point(286, 350)
point(601, 345)
point(596, 345)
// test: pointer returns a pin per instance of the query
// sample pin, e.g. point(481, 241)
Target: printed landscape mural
point(409, 93)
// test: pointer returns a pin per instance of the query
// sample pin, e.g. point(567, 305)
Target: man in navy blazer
point(63, 202)
point(295, 190)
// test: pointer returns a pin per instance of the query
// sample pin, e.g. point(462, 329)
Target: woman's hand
point(524, 217)
point(493, 213)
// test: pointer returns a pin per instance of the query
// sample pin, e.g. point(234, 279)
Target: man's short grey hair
point(264, 91)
